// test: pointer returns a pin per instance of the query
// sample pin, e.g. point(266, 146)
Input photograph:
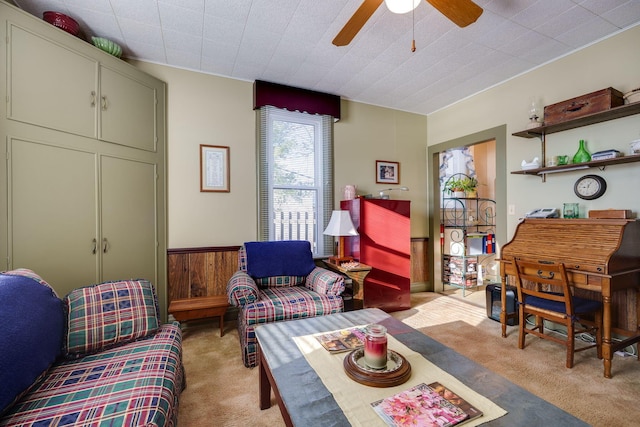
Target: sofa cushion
point(32, 321)
point(101, 316)
point(279, 258)
point(136, 384)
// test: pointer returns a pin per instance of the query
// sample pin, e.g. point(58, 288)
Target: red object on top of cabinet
point(384, 243)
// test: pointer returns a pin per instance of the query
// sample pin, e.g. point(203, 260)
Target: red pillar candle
point(375, 347)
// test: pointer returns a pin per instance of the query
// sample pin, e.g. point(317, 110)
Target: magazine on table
point(422, 406)
point(342, 340)
point(467, 407)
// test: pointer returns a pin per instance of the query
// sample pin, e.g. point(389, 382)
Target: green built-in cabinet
point(83, 181)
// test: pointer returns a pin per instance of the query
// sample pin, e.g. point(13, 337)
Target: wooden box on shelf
point(610, 213)
point(337, 260)
point(583, 105)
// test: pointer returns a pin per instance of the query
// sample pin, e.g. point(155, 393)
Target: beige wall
point(611, 63)
point(206, 109)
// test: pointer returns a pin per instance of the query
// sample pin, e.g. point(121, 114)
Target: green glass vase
point(582, 155)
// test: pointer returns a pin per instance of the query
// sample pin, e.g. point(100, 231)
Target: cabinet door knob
point(104, 103)
point(95, 246)
point(105, 245)
point(93, 98)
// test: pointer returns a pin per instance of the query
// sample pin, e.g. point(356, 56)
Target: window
point(295, 173)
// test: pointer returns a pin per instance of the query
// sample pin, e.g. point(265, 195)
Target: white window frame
point(323, 179)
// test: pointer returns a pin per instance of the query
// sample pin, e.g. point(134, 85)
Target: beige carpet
point(222, 392)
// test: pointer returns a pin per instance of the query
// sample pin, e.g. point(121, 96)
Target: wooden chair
point(551, 298)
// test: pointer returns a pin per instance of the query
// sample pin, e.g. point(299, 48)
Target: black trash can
point(494, 305)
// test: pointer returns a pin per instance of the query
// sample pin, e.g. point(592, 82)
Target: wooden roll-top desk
point(602, 257)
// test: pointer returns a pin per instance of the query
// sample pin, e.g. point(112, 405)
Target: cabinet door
point(52, 213)
point(128, 110)
point(53, 87)
point(129, 220)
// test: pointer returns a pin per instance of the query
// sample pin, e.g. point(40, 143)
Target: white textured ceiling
point(289, 42)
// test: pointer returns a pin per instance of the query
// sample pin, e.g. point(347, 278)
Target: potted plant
point(470, 186)
point(463, 186)
point(455, 187)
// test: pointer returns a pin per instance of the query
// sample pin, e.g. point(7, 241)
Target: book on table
point(342, 340)
point(425, 405)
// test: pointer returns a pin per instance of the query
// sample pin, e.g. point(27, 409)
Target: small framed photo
point(387, 172)
point(214, 168)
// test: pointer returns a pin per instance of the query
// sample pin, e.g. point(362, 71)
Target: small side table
point(200, 308)
point(357, 275)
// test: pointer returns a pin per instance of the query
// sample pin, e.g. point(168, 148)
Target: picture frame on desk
point(387, 172)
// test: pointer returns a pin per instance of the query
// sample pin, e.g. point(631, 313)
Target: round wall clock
point(590, 187)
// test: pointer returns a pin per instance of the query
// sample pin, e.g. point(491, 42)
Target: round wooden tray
point(398, 370)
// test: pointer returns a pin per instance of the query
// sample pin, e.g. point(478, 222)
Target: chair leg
point(540, 324)
point(571, 337)
point(521, 328)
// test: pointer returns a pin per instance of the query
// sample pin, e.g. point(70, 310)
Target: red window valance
point(295, 99)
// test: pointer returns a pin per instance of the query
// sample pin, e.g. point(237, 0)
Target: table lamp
point(340, 225)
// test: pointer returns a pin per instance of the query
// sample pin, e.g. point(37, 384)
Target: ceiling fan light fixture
point(401, 6)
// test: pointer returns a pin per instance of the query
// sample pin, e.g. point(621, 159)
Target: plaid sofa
point(97, 357)
point(283, 296)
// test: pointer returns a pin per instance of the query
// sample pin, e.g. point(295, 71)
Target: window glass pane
point(293, 153)
point(295, 215)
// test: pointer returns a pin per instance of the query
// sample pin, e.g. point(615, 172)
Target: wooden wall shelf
point(591, 119)
point(603, 116)
point(579, 166)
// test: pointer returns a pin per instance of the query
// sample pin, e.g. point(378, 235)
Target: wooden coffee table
point(305, 401)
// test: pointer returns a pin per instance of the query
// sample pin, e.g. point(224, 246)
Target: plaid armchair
point(279, 281)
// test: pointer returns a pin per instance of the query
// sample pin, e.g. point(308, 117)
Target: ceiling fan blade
point(461, 12)
point(357, 21)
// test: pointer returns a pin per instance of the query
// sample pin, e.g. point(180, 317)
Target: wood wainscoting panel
point(419, 260)
point(220, 267)
point(200, 272)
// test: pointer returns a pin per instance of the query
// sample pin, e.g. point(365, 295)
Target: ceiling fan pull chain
point(413, 30)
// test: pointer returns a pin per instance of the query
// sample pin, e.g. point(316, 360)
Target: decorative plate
point(397, 372)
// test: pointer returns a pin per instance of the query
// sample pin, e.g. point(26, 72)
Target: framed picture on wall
point(387, 172)
point(214, 168)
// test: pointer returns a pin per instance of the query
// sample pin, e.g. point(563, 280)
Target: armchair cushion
point(242, 289)
point(101, 316)
point(296, 302)
point(279, 281)
point(325, 282)
point(279, 258)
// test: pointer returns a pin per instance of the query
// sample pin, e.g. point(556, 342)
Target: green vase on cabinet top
point(582, 156)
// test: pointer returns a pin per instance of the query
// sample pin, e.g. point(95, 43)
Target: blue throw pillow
point(32, 319)
point(281, 258)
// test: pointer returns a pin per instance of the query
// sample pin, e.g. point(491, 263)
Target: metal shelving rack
point(467, 224)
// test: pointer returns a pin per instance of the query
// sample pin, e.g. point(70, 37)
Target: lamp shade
point(340, 224)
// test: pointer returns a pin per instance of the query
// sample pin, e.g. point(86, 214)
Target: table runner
point(355, 399)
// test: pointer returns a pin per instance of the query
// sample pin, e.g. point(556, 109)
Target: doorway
point(498, 137)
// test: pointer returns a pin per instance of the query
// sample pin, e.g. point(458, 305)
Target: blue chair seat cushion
point(580, 305)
